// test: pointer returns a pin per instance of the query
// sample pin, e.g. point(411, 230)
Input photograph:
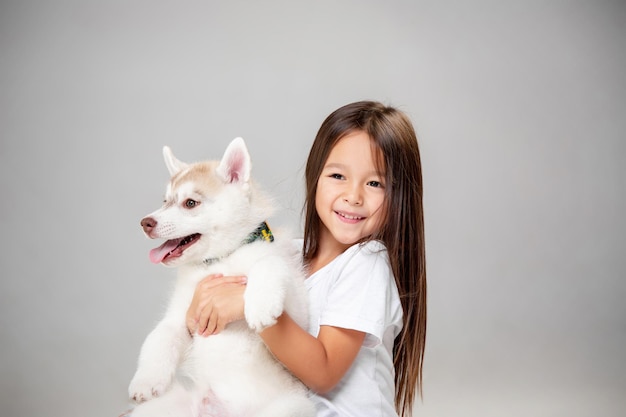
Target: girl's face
point(350, 192)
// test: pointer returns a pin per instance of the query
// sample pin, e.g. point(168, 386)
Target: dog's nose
point(148, 224)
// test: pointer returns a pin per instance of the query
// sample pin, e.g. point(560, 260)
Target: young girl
point(364, 253)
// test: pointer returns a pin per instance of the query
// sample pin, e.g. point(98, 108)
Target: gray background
point(520, 108)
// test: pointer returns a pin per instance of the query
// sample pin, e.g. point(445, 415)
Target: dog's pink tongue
point(158, 254)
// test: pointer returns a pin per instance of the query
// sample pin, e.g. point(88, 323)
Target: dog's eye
point(189, 203)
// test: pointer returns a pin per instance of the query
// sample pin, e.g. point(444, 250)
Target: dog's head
point(207, 210)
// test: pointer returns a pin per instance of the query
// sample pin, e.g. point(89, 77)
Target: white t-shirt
point(357, 291)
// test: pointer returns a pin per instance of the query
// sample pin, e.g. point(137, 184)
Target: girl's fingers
point(211, 309)
point(203, 327)
point(209, 281)
point(215, 280)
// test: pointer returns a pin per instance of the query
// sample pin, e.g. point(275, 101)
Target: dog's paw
point(258, 324)
point(148, 384)
point(261, 313)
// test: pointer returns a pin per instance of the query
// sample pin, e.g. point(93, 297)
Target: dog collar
point(262, 232)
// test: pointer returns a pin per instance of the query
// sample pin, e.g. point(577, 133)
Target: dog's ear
point(235, 164)
point(174, 166)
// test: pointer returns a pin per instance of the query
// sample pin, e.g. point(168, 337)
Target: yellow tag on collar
point(262, 232)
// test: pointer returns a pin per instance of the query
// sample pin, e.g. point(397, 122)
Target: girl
point(363, 250)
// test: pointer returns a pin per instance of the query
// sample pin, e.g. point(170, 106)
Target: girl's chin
point(348, 240)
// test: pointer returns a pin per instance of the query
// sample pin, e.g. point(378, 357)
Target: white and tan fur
point(231, 373)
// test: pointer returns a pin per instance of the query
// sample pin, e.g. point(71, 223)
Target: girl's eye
point(375, 184)
point(189, 203)
point(336, 176)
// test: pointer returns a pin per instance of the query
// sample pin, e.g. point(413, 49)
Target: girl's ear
point(174, 166)
point(235, 164)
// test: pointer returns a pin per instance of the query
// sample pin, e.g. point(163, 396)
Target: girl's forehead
point(356, 149)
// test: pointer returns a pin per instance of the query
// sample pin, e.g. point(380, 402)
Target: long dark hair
point(402, 230)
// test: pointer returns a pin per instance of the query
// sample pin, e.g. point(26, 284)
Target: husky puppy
point(213, 221)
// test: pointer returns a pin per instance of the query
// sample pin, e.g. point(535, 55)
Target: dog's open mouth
point(173, 248)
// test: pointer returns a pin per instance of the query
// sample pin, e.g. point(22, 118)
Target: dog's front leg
point(162, 350)
point(265, 292)
point(158, 360)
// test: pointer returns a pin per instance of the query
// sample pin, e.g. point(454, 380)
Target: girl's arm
point(319, 363)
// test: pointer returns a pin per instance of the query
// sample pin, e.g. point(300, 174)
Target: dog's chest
point(240, 262)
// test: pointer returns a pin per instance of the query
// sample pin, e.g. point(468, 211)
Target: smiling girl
point(363, 250)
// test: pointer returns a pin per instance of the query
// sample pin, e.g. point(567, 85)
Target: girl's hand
point(217, 301)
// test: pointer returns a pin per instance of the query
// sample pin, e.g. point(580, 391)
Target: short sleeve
point(363, 296)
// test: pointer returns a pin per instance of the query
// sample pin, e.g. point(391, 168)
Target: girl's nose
point(353, 197)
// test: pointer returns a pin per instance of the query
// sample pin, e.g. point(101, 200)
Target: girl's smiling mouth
point(349, 217)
